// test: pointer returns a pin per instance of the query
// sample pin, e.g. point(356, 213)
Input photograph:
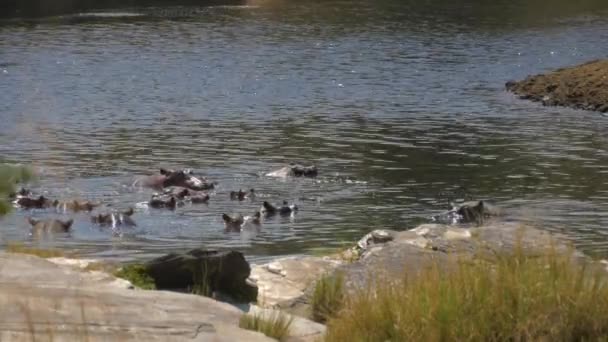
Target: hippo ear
point(67, 224)
point(129, 212)
point(32, 221)
point(226, 218)
point(257, 214)
point(164, 172)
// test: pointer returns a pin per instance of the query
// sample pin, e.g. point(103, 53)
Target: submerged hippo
point(294, 170)
point(187, 195)
point(468, 212)
point(167, 178)
point(114, 219)
point(33, 203)
point(284, 210)
point(237, 222)
point(49, 226)
point(242, 195)
point(158, 201)
point(74, 205)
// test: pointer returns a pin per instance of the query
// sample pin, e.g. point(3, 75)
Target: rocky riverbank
point(61, 298)
point(583, 86)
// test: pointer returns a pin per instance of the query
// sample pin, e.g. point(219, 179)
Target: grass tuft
point(328, 297)
point(17, 247)
point(512, 296)
point(276, 325)
point(138, 275)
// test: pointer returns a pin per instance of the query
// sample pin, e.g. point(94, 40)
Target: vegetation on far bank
point(10, 176)
point(511, 297)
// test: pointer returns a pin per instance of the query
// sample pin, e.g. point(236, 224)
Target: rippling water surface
point(400, 105)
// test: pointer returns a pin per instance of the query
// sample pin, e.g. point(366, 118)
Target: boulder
point(205, 272)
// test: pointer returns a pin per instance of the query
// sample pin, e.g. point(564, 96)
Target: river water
point(400, 104)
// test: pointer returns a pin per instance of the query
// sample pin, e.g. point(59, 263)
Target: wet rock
point(224, 272)
point(43, 301)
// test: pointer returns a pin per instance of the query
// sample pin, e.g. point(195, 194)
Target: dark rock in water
point(224, 272)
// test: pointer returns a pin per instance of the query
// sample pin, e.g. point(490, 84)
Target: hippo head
point(304, 171)
point(183, 178)
point(233, 223)
point(472, 212)
point(114, 219)
point(50, 225)
point(268, 209)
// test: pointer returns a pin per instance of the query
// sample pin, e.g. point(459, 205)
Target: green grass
point(17, 247)
point(508, 297)
point(328, 297)
point(137, 275)
point(276, 325)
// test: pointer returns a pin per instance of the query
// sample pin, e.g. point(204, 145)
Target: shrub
point(510, 297)
point(138, 275)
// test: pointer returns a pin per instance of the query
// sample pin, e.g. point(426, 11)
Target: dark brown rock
point(224, 272)
point(583, 86)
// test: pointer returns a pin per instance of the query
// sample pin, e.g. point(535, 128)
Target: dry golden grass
point(17, 247)
point(509, 297)
point(276, 325)
point(328, 297)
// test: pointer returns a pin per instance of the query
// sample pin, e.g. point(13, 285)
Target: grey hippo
point(283, 210)
point(114, 219)
point(49, 226)
point(237, 222)
point(468, 212)
point(294, 170)
point(167, 178)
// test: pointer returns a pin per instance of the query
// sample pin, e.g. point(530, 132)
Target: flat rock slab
point(583, 86)
point(43, 301)
point(286, 279)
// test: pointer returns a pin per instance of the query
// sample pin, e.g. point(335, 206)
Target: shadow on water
point(399, 103)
